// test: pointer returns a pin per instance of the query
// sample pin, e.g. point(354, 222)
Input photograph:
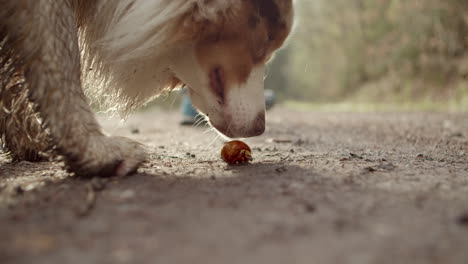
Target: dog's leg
point(46, 35)
point(21, 133)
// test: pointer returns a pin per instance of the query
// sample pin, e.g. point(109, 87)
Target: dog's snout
point(236, 110)
point(238, 128)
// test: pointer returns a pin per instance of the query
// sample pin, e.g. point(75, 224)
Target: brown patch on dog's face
point(246, 40)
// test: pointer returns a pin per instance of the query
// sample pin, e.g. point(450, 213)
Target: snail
point(236, 152)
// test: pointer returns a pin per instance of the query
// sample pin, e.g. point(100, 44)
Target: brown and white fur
point(122, 54)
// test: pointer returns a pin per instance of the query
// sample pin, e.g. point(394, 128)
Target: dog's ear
point(208, 17)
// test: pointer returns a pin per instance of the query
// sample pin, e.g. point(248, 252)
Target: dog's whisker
point(200, 119)
point(197, 122)
point(214, 139)
point(209, 129)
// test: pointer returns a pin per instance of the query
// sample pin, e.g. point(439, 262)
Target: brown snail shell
point(236, 152)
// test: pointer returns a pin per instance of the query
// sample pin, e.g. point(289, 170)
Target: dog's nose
point(240, 129)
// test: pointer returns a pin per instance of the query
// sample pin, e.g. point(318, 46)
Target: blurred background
point(402, 53)
point(374, 54)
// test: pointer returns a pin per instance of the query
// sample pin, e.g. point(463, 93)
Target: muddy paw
point(107, 157)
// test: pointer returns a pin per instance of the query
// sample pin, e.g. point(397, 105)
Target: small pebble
point(19, 190)
point(463, 220)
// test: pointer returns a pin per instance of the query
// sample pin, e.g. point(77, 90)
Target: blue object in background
point(270, 99)
point(190, 115)
point(187, 107)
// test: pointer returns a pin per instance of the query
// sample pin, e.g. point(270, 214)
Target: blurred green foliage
point(375, 50)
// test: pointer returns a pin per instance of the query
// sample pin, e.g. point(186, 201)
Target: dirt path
point(324, 188)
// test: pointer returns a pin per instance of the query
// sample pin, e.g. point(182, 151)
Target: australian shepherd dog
point(56, 54)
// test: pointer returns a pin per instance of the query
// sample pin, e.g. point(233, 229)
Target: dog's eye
point(271, 37)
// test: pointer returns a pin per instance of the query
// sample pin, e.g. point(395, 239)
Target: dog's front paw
point(107, 157)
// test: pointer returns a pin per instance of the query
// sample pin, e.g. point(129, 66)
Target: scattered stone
point(281, 169)
point(355, 156)
point(463, 220)
point(457, 134)
point(387, 166)
point(135, 131)
point(257, 149)
point(279, 140)
point(19, 190)
point(309, 207)
point(340, 224)
point(300, 142)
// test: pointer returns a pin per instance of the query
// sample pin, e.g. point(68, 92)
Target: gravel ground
point(323, 188)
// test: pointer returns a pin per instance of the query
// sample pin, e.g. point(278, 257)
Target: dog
point(56, 55)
